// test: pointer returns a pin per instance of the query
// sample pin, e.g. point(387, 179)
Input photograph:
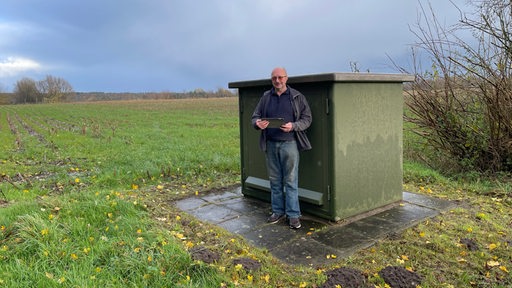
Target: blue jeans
point(283, 173)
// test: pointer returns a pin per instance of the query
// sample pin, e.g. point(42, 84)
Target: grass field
point(86, 197)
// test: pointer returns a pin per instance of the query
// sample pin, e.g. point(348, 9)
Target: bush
point(463, 105)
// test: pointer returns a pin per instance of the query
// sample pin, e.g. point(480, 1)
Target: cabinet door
point(315, 164)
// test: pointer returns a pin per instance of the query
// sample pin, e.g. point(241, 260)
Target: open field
point(86, 197)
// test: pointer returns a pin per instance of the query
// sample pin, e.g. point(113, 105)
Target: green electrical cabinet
point(355, 165)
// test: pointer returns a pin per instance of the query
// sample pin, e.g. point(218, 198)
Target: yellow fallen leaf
point(492, 263)
point(504, 269)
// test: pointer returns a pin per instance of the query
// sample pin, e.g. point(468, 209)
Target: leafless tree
point(25, 91)
point(463, 104)
point(54, 89)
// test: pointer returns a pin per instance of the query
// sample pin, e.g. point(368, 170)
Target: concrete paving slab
point(246, 206)
point(305, 251)
point(240, 225)
point(425, 201)
point(191, 203)
point(370, 227)
point(345, 241)
point(270, 236)
point(406, 215)
point(215, 213)
point(349, 237)
point(317, 240)
point(220, 197)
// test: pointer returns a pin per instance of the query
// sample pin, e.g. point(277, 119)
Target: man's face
point(279, 78)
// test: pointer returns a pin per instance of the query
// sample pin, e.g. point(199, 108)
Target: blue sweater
point(301, 117)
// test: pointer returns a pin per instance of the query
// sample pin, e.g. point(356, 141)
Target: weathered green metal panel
point(368, 146)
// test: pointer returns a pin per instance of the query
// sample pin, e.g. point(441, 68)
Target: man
point(282, 144)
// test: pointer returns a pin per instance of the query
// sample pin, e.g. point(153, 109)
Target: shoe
point(294, 223)
point(274, 218)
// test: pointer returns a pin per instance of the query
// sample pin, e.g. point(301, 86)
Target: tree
point(463, 104)
point(54, 89)
point(25, 91)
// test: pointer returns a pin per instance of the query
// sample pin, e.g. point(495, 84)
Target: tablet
point(274, 122)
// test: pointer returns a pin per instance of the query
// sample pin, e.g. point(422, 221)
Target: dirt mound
point(395, 277)
point(399, 277)
point(471, 244)
point(204, 254)
point(247, 263)
point(346, 278)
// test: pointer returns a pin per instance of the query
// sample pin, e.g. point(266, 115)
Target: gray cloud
point(159, 45)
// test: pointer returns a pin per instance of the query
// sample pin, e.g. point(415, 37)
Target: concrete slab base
point(318, 239)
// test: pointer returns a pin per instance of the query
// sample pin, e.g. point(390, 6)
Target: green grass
point(74, 180)
point(87, 190)
point(92, 240)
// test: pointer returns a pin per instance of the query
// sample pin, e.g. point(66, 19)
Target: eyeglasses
point(274, 78)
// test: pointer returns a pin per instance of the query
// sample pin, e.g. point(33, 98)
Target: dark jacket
point(302, 116)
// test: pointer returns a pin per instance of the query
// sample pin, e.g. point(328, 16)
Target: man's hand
point(262, 124)
point(288, 127)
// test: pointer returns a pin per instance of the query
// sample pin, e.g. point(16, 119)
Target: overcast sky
point(181, 45)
